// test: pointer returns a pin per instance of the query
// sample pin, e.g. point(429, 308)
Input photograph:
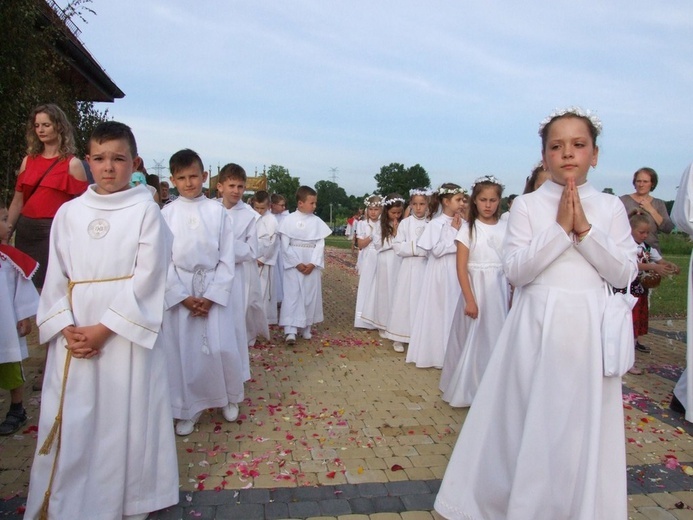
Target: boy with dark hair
point(204, 366)
point(231, 186)
point(102, 304)
point(303, 259)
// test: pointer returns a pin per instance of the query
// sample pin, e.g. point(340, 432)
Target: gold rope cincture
point(56, 430)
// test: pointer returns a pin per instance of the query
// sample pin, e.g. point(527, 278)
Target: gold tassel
point(48, 443)
point(43, 514)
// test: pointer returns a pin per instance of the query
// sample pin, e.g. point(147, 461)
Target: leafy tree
point(331, 193)
point(280, 181)
point(395, 178)
point(33, 72)
point(610, 191)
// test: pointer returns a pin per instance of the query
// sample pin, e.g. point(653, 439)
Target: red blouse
point(54, 190)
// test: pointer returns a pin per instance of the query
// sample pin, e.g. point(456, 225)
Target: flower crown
point(488, 179)
point(426, 192)
point(451, 191)
point(373, 203)
point(575, 111)
point(390, 202)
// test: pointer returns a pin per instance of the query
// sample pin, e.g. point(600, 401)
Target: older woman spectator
point(645, 181)
point(49, 176)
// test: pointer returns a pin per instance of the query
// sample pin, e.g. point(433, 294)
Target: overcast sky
point(458, 87)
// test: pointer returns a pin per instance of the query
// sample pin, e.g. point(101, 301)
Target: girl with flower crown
point(411, 270)
point(483, 305)
point(544, 437)
point(440, 290)
point(366, 262)
point(376, 309)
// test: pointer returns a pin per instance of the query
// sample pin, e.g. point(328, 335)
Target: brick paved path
point(340, 427)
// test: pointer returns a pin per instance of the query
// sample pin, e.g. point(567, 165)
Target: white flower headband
point(390, 202)
point(373, 203)
point(416, 191)
point(451, 191)
point(490, 179)
point(576, 111)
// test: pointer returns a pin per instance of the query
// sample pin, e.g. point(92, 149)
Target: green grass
point(341, 242)
point(669, 299)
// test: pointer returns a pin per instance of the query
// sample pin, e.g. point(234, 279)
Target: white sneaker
point(398, 346)
point(290, 339)
point(230, 412)
point(306, 333)
point(186, 427)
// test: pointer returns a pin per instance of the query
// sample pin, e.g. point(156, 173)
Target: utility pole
point(158, 168)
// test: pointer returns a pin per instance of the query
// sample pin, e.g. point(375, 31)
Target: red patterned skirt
point(641, 315)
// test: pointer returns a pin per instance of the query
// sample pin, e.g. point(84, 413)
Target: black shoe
point(676, 405)
point(642, 348)
point(13, 422)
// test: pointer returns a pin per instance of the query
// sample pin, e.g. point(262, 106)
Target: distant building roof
point(83, 71)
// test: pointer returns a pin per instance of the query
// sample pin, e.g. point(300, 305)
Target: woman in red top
point(49, 176)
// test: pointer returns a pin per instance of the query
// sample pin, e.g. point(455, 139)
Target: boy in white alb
point(112, 454)
point(250, 320)
point(18, 302)
point(268, 251)
point(303, 257)
point(204, 365)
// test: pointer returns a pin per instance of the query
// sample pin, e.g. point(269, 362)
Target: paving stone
point(245, 511)
point(335, 507)
point(388, 504)
point(419, 502)
point(253, 496)
point(656, 513)
point(362, 505)
point(407, 488)
point(372, 490)
point(213, 498)
point(303, 509)
point(416, 515)
point(276, 510)
point(313, 493)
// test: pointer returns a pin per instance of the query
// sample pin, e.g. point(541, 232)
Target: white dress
point(255, 317)
point(544, 437)
point(245, 247)
point(302, 242)
point(118, 453)
point(268, 251)
point(18, 300)
point(204, 365)
point(472, 340)
point(366, 265)
point(279, 271)
point(432, 320)
point(682, 216)
point(409, 278)
point(376, 308)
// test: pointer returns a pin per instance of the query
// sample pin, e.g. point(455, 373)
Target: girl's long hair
point(386, 228)
point(474, 211)
point(66, 136)
point(436, 198)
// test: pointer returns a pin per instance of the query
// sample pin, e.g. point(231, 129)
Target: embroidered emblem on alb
point(419, 231)
point(193, 221)
point(98, 228)
point(300, 224)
